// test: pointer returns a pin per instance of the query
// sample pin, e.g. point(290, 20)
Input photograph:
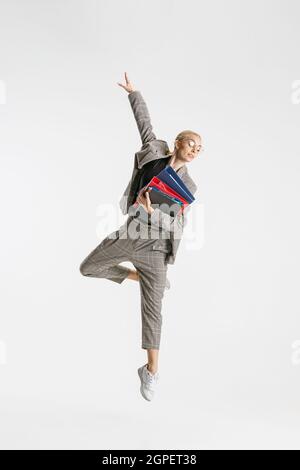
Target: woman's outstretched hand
point(128, 87)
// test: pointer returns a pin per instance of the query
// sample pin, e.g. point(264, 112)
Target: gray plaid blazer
point(152, 149)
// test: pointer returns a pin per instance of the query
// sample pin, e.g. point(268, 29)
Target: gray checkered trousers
point(145, 247)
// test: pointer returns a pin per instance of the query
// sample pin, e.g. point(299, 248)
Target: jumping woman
point(150, 237)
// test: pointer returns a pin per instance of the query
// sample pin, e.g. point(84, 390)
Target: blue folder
point(170, 177)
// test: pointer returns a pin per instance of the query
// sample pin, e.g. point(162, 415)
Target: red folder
point(156, 182)
point(163, 187)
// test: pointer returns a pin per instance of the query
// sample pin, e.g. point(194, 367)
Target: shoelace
point(151, 379)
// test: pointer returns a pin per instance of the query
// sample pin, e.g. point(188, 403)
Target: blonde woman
point(150, 237)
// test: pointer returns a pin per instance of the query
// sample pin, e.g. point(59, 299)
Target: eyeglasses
point(192, 144)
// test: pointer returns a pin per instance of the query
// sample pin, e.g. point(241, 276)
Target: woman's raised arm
point(140, 112)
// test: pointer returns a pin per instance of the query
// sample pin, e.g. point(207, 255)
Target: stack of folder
point(168, 192)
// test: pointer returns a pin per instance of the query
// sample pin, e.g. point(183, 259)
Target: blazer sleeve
point(172, 224)
point(142, 116)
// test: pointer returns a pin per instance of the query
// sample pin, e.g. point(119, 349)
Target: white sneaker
point(148, 382)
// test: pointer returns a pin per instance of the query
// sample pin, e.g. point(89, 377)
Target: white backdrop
point(69, 348)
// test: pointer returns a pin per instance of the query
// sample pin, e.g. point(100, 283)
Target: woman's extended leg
point(152, 360)
point(152, 271)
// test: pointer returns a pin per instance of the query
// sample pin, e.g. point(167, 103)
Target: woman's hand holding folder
point(143, 198)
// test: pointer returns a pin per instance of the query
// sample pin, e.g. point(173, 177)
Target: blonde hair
point(183, 135)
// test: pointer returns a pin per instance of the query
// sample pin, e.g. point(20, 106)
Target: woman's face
point(188, 148)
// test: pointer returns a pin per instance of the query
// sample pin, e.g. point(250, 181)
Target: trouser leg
point(103, 261)
point(152, 271)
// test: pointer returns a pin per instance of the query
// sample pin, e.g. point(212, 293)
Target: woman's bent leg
point(103, 261)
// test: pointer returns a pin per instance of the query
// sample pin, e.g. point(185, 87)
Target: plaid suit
point(149, 248)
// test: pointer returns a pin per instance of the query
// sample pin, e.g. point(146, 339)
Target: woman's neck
point(175, 163)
